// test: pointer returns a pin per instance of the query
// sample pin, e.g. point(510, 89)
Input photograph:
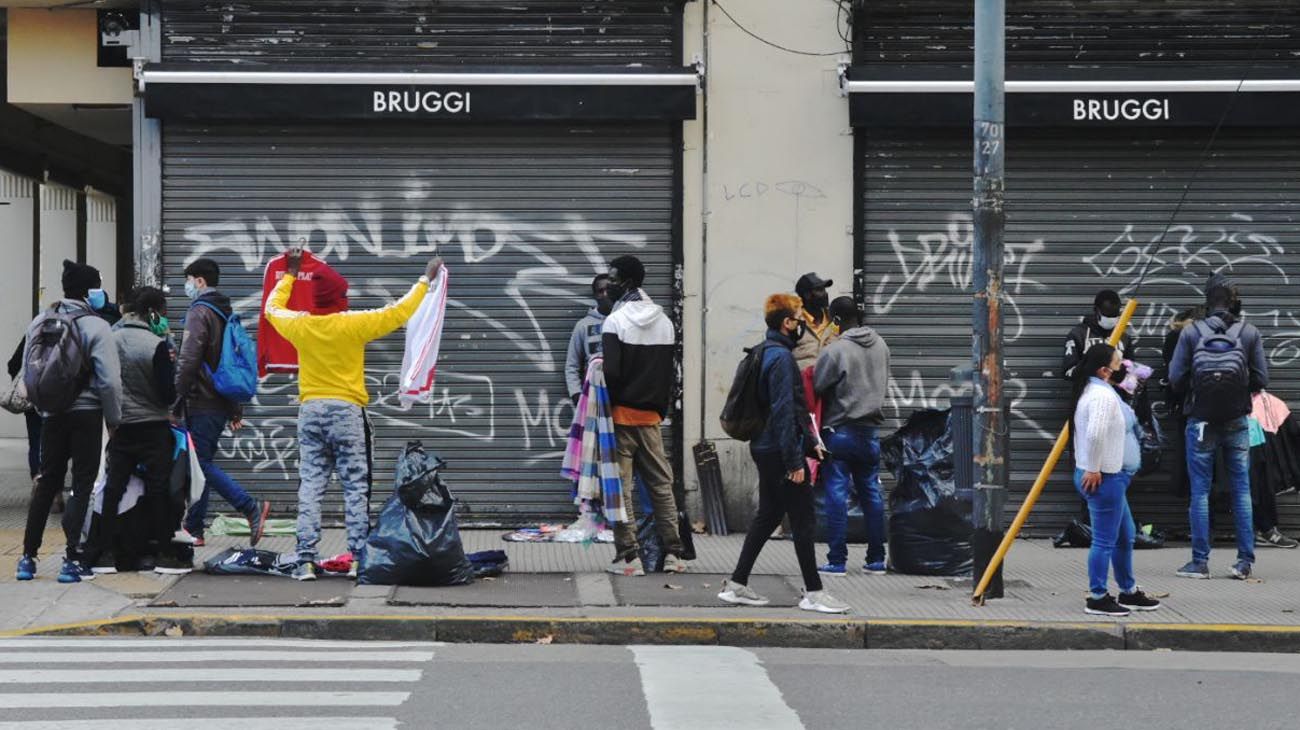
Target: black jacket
point(639, 345)
point(202, 345)
point(1084, 335)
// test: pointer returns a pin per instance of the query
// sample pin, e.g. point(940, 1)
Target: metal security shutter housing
point(1084, 212)
point(417, 33)
point(525, 216)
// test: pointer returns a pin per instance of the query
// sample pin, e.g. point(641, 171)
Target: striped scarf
point(591, 458)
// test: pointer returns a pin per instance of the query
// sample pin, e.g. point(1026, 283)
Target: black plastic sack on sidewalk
point(1076, 534)
point(417, 539)
point(930, 522)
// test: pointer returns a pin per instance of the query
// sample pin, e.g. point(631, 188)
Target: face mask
point(1107, 323)
point(800, 331)
point(191, 289)
point(1117, 376)
point(158, 325)
point(97, 299)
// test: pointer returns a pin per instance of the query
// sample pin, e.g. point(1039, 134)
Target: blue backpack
point(235, 378)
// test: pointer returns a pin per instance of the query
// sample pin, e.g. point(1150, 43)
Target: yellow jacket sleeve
point(371, 324)
point(285, 321)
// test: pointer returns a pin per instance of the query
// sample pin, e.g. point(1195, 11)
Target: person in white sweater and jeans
point(1100, 435)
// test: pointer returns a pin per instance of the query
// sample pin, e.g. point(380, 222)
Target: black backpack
point(57, 367)
point(745, 413)
point(1220, 374)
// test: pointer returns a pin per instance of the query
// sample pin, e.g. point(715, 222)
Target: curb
point(742, 632)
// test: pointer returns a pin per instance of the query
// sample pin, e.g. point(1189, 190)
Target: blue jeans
point(1113, 532)
point(206, 427)
point(855, 464)
point(1204, 442)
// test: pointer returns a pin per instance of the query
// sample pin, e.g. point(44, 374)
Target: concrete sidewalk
point(559, 592)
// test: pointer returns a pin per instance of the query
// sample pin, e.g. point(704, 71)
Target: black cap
point(79, 279)
point(810, 281)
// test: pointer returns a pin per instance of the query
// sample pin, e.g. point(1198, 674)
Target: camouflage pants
point(333, 437)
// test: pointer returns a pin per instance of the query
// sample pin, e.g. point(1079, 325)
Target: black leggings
point(777, 498)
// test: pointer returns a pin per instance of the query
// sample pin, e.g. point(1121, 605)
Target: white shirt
point(1100, 429)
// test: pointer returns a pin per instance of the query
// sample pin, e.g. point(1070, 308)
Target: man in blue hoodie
point(779, 453)
point(1217, 382)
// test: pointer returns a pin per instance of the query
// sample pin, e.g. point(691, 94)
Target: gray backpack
point(57, 367)
point(1220, 374)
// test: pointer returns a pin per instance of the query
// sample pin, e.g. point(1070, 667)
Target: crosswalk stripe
point(210, 723)
point(709, 687)
point(140, 657)
point(30, 642)
point(222, 698)
point(203, 675)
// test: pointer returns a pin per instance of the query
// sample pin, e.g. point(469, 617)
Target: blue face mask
point(191, 289)
point(97, 299)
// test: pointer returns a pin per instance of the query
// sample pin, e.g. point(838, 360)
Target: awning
point(882, 97)
point(461, 94)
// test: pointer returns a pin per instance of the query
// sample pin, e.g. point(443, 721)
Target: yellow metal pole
point(1043, 474)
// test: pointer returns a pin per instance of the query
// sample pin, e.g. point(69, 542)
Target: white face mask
point(1107, 323)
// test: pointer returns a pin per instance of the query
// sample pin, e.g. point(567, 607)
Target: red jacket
point(274, 353)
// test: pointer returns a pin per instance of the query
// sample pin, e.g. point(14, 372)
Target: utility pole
point(991, 422)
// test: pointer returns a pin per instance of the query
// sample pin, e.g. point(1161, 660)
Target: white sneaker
point(742, 594)
point(183, 537)
point(823, 602)
point(674, 564)
point(630, 568)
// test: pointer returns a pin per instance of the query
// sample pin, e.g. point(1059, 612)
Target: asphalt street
point(211, 684)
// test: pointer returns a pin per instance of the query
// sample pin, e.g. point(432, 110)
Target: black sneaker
point(170, 565)
point(106, 564)
point(1275, 538)
point(1137, 601)
point(1105, 606)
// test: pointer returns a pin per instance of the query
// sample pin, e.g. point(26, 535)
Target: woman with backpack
point(1102, 434)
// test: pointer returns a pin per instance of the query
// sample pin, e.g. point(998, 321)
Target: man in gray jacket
point(76, 434)
point(852, 379)
point(584, 343)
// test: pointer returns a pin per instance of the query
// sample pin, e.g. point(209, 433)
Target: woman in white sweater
point(1100, 431)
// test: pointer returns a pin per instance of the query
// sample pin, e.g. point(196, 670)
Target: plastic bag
point(930, 523)
point(417, 539)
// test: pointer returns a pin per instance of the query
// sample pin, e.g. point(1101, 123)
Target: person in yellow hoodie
point(333, 434)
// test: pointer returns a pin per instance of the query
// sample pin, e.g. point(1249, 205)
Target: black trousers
point(76, 437)
point(778, 497)
point(146, 447)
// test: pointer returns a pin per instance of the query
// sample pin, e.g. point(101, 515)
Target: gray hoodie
point(852, 378)
point(104, 392)
point(584, 344)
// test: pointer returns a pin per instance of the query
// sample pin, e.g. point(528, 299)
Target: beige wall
point(776, 200)
point(52, 60)
point(15, 276)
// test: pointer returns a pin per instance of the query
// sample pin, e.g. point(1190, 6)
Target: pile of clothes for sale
point(1275, 460)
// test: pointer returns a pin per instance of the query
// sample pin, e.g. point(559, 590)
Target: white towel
point(423, 340)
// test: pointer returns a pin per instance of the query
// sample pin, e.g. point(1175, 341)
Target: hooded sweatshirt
point(104, 391)
point(204, 330)
point(332, 347)
point(638, 342)
point(1084, 335)
point(584, 344)
point(852, 378)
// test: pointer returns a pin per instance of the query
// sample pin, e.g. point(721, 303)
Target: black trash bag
point(1076, 534)
point(249, 561)
point(930, 520)
point(417, 539)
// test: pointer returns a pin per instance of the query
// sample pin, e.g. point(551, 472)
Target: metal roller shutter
point(1083, 214)
point(524, 217)
point(421, 32)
